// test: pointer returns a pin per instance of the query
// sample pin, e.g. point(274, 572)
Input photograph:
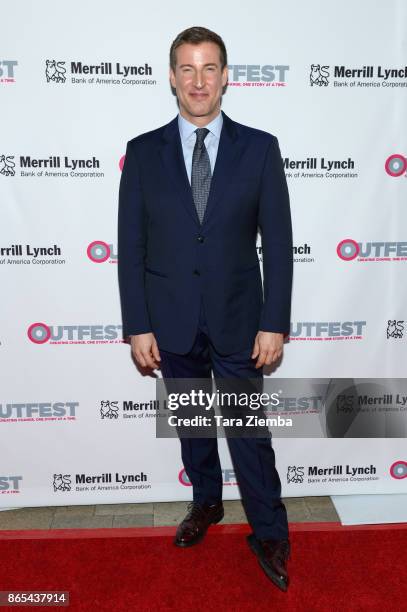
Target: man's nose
point(199, 80)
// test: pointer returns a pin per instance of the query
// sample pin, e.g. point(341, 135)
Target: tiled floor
point(299, 509)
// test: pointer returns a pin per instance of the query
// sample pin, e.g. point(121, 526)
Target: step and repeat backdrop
point(77, 418)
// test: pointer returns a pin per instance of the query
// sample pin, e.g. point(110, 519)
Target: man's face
point(199, 80)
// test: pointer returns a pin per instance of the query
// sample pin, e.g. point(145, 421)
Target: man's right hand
point(145, 350)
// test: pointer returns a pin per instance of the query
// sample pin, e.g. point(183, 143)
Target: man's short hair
point(195, 36)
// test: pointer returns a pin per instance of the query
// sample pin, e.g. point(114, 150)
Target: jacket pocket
point(250, 269)
point(155, 272)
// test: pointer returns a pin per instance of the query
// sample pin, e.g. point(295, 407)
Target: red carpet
point(333, 568)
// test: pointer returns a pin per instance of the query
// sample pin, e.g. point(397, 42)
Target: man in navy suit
point(193, 194)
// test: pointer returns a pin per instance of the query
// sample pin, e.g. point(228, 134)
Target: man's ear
point(225, 76)
point(172, 78)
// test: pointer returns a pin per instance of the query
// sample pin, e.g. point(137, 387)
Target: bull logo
point(319, 75)
point(295, 473)
point(344, 403)
point(395, 329)
point(7, 165)
point(109, 410)
point(62, 482)
point(55, 71)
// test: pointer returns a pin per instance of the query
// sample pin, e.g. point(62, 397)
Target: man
point(192, 196)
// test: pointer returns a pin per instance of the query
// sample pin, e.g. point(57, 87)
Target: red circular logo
point(39, 333)
point(348, 249)
point(98, 251)
point(399, 470)
point(183, 478)
point(396, 165)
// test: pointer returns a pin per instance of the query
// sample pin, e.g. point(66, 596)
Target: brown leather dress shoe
point(194, 526)
point(272, 556)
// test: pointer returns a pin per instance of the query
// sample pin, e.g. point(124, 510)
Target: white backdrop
point(76, 424)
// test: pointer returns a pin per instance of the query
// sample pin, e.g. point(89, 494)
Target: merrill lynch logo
point(395, 329)
point(55, 71)
point(62, 482)
point(109, 409)
point(7, 165)
point(295, 473)
point(319, 75)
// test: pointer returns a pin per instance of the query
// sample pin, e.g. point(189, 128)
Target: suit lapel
point(173, 160)
point(229, 152)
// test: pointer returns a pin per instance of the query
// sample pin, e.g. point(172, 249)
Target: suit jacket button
point(201, 238)
point(196, 272)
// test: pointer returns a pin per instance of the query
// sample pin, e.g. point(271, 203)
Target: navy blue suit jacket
point(167, 260)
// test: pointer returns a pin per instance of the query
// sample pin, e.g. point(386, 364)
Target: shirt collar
point(186, 128)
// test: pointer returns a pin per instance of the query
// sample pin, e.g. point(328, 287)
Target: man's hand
point(145, 350)
point(268, 347)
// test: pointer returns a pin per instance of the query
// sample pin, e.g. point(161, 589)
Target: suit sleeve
point(275, 225)
point(132, 238)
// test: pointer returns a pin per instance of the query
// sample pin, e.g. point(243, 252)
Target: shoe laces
point(194, 511)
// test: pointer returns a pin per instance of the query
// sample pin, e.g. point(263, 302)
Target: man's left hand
point(268, 347)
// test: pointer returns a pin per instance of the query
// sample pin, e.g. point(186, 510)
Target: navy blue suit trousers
point(253, 458)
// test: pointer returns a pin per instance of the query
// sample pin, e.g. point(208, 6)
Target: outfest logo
point(349, 250)
point(229, 478)
point(257, 75)
point(7, 71)
point(327, 330)
point(398, 470)
point(10, 484)
point(99, 251)
point(396, 165)
point(38, 411)
point(41, 333)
